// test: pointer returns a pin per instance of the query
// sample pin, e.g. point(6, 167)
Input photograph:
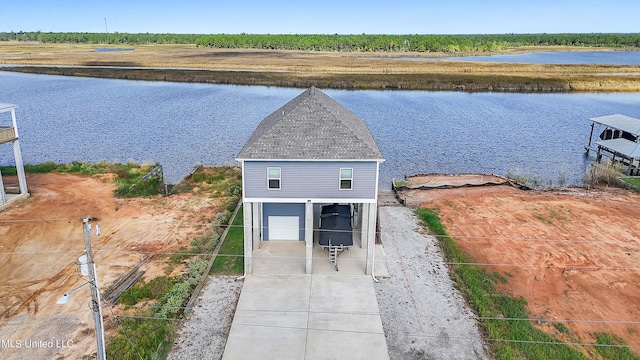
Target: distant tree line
point(363, 42)
point(419, 43)
point(101, 38)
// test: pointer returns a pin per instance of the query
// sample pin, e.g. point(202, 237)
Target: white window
point(273, 178)
point(346, 179)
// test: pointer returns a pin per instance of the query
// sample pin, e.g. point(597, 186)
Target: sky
point(323, 16)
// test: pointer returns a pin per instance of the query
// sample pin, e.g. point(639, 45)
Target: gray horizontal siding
point(318, 180)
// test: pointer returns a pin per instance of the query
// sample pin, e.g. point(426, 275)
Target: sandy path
point(423, 315)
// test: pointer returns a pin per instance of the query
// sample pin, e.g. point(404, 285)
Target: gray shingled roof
point(312, 126)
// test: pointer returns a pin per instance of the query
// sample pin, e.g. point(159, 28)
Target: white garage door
point(284, 228)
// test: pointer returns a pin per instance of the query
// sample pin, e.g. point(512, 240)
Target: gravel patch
point(204, 334)
point(423, 315)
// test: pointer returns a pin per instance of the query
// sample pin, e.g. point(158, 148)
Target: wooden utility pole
point(96, 306)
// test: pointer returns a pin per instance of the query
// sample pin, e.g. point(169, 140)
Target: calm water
point(67, 119)
point(570, 57)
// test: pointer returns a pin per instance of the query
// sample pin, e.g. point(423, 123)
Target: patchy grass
point(562, 328)
point(141, 338)
point(218, 181)
point(230, 258)
point(635, 181)
point(615, 351)
point(128, 178)
point(479, 288)
point(152, 289)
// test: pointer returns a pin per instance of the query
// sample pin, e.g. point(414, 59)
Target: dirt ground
point(41, 238)
point(573, 254)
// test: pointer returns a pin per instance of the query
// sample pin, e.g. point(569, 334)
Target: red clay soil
point(573, 255)
point(41, 238)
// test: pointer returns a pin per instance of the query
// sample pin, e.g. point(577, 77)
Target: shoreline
point(325, 70)
point(611, 82)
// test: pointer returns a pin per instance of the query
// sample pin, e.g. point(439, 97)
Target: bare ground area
point(41, 238)
point(573, 254)
point(423, 315)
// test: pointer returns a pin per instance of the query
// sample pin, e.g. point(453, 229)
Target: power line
point(382, 232)
point(142, 317)
point(212, 224)
point(257, 256)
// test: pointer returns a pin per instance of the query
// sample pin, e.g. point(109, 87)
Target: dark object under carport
point(336, 232)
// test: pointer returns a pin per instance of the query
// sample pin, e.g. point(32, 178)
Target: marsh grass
point(321, 69)
point(609, 174)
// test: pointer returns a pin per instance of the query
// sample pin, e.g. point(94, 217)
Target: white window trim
point(340, 179)
point(279, 178)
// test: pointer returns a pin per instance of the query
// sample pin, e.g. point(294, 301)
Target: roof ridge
point(361, 135)
point(311, 126)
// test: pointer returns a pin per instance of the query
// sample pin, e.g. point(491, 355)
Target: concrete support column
point(248, 237)
point(22, 179)
point(371, 236)
point(308, 236)
point(3, 199)
point(364, 211)
point(256, 224)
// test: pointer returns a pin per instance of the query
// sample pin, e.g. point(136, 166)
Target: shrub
point(231, 203)
point(205, 243)
point(222, 218)
point(172, 302)
point(133, 295)
point(233, 190)
point(152, 289)
point(197, 267)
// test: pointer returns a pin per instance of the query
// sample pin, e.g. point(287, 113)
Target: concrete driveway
point(307, 317)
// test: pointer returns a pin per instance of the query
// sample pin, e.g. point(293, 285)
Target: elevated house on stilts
point(310, 178)
point(11, 190)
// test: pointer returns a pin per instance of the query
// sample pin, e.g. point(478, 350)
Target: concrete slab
point(307, 317)
point(345, 345)
point(286, 257)
point(346, 322)
point(279, 257)
point(275, 293)
point(265, 342)
point(343, 294)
